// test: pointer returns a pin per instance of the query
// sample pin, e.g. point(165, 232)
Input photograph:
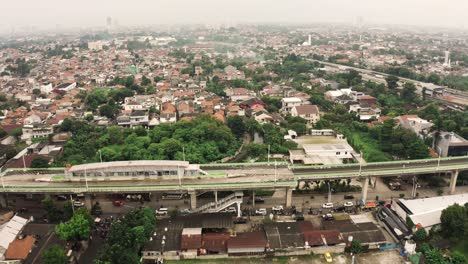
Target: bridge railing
point(369, 164)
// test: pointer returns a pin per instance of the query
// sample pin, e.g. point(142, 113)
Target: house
point(9, 232)
point(284, 236)
point(138, 118)
point(36, 130)
point(65, 87)
point(308, 112)
point(191, 241)
point(239, 94)
point(367, 99)
point(252, 103)
point(327, 150)
point(19, 249)
point(451, 144)
point(215, 243)
point(419, 126)
point(288, 103)
point(167, 118)
point(365, 112)
point(247, 244)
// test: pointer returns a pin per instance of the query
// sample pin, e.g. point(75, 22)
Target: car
point(314, 211)
point(240, 220)
point(277, 208)
point(298, 217)
point(230, 210)
point(348, 204)
point(162, 211)
point(327, 205)
point(348, 196)
point(62, 198)
point(339, 209)
point(258, 200)
point(261, 211)
point(328, 217)
point(184, 211)
point(78, 204)
point(118, 203)
point(328, 257)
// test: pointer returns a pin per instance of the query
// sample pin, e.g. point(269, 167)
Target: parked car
point(328, 257)
point(230, 210)
point(298, 217)
point(261, 211)
point(118, 203)
point(277, 208)
point(258, 200)
point(314, 211)
point(327, 205)
point(327, 217)
point(240, 220)
point(348, 196)
point(61, 198)
point(184, 211)
point(348, 204)
point(78, 204)
point(162, 211)
point(339, 209)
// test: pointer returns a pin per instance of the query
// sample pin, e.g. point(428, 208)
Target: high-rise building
point(447, 58)
point(310, 40)
point(108, 23)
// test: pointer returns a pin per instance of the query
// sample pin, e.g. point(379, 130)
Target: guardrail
point(399, 171)
point(370, 164)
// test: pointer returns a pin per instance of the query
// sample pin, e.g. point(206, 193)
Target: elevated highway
point(231, 177)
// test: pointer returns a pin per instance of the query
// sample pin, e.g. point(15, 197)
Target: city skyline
point(26, 14)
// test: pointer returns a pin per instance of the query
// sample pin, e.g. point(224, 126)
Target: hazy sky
point(68, 13)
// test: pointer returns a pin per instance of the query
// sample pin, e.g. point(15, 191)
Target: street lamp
point(360, 163)
point(438, 159)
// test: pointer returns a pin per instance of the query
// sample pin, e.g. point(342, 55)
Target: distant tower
point(108, 23)
point(310, 40)
point(447, 58)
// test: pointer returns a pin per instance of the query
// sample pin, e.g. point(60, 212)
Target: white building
point(427, 211)
point(308, 112)
point(95, 45)
point(416, 124)
point(288, 103)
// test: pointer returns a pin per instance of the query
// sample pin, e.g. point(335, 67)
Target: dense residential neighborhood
point(321, 142)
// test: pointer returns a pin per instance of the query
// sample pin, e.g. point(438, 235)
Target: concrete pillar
point(253, 198)
point(375, 182)
point(364, 189)
point(193, 199)
point(288, 197)
point(453, 181)
point(3, 201)
point(88, 201)
point(216, 196)
point(239, 213)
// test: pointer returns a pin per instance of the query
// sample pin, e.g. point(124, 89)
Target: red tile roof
point(20, 248)
point(248, 240)
point(216, 242)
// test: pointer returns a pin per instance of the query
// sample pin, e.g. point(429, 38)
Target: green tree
point(453, 221)
point(237, 125)
point(107, 111)
point(17, 132)
point(418, 150)
point(356, 247)
point(408, 94)
point(458, 258)
point(76, 229)
point(36, 91)
point(49, 206)
point(89, 117)
point(392, 82)
point(39, 163)
point(54, 255)
point(409, 222)
point(420, 235)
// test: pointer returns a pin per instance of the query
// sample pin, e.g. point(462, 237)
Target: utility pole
point(100, 155)
point(268, 156)
point(183, 153)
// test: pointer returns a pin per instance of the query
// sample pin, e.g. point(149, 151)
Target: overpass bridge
point(226, 177)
